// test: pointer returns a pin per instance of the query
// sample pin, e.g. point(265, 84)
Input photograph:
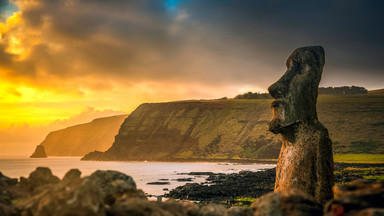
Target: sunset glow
point(58, 62)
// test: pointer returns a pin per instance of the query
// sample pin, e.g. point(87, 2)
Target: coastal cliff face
point(80, 139)
point(237, 129)
point(218, 129)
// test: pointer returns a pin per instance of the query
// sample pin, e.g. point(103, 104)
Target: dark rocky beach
point(229, 189)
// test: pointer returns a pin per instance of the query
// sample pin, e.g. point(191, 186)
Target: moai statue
point(305, 160)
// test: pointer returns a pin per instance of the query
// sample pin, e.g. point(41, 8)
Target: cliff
point(39, 152)
point(237, 129)
point(80, 139)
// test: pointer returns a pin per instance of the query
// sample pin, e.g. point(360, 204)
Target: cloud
point(85, 116)
point(82, 43)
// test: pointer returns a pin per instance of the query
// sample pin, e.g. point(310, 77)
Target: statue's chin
point(275, 126)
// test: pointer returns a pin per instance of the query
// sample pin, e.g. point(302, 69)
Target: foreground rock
point(39, 152)
point(360, 197)
point(115, 194)
point(306, 159)
point(289, 202)
point(6, 195)
point(38, 180)
point(102, 193)
point(81, 197)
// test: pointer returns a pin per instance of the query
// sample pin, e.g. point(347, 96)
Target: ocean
point(141, 172)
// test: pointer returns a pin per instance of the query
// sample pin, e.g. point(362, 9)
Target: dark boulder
point(237, 211)
point(134, 206)
point(115, 185)
point(79, 197)
point(360, 197)
point(42, 176)
point(6, 207)
point(6, 181)
point(290, 202)
point(213, 210)
point(72, 175)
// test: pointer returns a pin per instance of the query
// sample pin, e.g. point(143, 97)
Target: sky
point(65, 62)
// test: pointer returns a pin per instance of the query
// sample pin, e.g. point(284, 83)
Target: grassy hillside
point(238, 129)
point(355, 123)
point(81, 139)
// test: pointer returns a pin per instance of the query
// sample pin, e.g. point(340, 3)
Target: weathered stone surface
point(115, 185)
point(212, 210)
point(79, 197)
point(289, 202)
point(133, 206)
point(6, 181)
point(237, 211)
point(305, 160)
point(360, 197)
point(39, 152)
point(369, 212)
point(72, 175)
point(6, 207)
point(42, 176)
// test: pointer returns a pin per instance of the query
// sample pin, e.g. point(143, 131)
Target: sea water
point(141, 172)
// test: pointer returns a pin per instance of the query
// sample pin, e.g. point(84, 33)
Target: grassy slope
point(238, 129)
point(359, 158)
point(355, 123)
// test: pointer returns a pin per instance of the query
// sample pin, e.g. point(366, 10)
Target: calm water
point(142, 172)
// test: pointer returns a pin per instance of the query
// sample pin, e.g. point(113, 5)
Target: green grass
point(245, 199)
point(377, 178)
point(359, 158)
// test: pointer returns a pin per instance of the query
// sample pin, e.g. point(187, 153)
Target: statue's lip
point(276, 103)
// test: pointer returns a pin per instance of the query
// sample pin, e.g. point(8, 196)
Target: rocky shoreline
point(229, 189)
point(225, 188)
point(114, 193)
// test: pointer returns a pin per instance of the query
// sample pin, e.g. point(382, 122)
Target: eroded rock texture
point(290, 202)
point(305, 160)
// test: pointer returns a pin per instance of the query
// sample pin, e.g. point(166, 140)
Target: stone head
point(296, 91)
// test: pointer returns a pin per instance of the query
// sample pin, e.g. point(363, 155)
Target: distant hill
point(377, 91)
point(80, 139)
point(238, 129)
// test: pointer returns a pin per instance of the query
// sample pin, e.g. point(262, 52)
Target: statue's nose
point(277, 90)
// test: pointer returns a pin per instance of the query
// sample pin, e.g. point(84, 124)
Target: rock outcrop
point(103, 193)
point(290, 202)
point(80, 139)
point(39, 152)
point(115, 194)
point(306, 159)
point(360, 197)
